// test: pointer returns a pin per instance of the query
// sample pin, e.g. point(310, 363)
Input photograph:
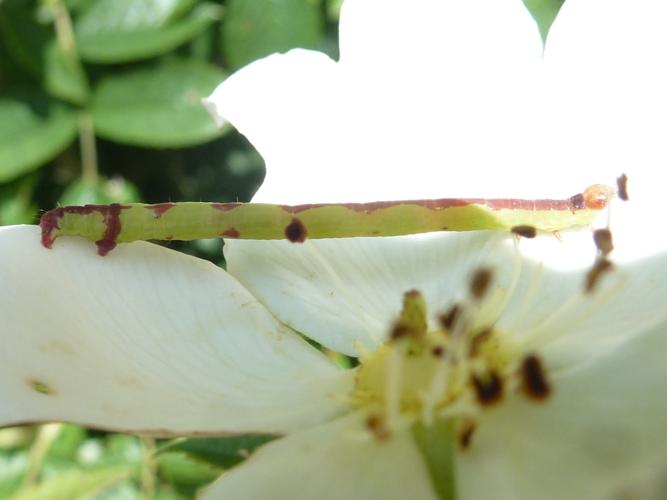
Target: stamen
point(533, 382)
point(601, 267)
point(603, 241)
point(466, 430)
point(622, 184)
point(377, 425)
point(488, 388)
point(480, 282)
point(524, 231)
point(448, 320)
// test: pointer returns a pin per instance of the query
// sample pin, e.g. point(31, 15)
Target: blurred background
point(100, 103)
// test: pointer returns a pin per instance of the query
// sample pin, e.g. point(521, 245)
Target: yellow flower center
point(449, 368)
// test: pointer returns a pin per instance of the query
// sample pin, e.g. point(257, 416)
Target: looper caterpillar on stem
point(109, 225)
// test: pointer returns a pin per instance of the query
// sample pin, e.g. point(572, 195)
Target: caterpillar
point(108, 225)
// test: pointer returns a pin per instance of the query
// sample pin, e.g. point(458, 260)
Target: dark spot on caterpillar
point(466, 431)
point(602, 266)
point(399, 331)
point(533, 382)
point(488, 388)
point(524, 231)
point(479, 284)
point(231, 233)
point(448, 319)
point(577, 202)
point(159, 209)
point(622, 184)
point(603, 241)
point(170, 237)
point(438, 351)
point(295, 231)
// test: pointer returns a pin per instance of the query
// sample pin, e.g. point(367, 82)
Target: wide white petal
point(337, 460)
point(348, 291)
point(605, 77)
point(148, 339)
point(600, 436)
point(426, 97)
point(550, 310)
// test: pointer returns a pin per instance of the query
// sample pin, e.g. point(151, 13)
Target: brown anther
point(377, 425)
point(603, 241)
point(524, 231)
point(488, 388)
point(622, 184)
point(466, 430)
point(602, 266)
point(479, 284)
point(399, 331)
point(295, 231)
point(533, 381)
point(438, 351)
point(448, 320)
point(478, 340)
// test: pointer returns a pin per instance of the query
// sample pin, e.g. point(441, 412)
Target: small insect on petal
point(524, 231)
point(622, 184)
point(603, 241)
point(465, 432)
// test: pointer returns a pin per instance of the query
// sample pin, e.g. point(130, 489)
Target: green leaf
point(181, 470)
point(33, 129)
point(22, 36)
point(437, 444)
point(544, 12)
point(255, 29)
point(223, 452)
point(74, 484)
point(65, 77)
point(157, 106)
point(114, 31)
point(16, 206)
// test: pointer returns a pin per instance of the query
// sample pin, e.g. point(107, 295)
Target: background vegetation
point(100, 103)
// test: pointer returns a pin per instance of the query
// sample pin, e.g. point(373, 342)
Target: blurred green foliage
point(100, 103)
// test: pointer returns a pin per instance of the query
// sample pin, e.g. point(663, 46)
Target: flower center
point(450, 368)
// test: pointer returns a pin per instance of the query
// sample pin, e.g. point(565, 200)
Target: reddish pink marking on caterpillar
point(160, 209)
point(226, 207)
point(231, 233)
point(111, 218)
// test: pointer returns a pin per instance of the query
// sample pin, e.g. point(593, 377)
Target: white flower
point(553, 392)
point(149, 340)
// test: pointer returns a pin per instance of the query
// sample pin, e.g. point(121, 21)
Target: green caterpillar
point(109, 225)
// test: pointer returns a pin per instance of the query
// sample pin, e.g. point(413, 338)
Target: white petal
point(337, 460)
point(285, 104)
point(147, 339)
point(605, 75)
point(344, 291)
point(601, 432)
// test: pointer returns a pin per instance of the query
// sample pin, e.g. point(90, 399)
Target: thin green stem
point(88, 147)
point(45, 436)
point(148, 469)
